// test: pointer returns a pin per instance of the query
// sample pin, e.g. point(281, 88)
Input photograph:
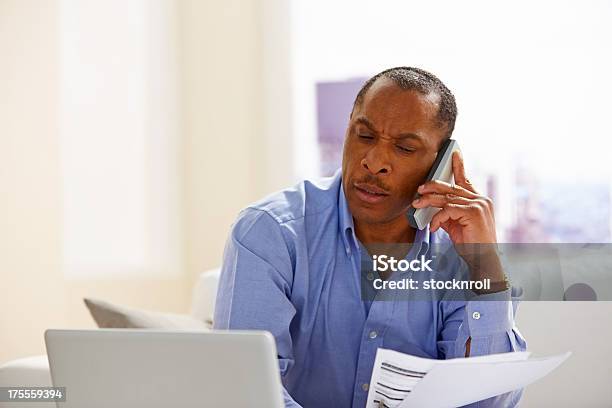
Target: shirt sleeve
point(489, 321)
point(255, 284)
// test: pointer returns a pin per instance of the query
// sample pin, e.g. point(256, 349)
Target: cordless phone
point(442, 169)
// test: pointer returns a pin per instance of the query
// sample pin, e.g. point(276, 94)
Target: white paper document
point(403, 381)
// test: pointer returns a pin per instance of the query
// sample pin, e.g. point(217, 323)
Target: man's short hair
point(410, 78)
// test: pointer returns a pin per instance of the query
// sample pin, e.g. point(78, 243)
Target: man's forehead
point(408, 109)
point(390, 95)
point(386, 107)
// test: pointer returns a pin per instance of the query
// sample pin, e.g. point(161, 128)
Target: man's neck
point(393, 232)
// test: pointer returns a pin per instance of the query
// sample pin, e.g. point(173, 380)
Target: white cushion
point(205, 294)
point(26, 372)
point(108, 315)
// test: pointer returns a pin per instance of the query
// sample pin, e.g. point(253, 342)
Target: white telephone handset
point(442, 170)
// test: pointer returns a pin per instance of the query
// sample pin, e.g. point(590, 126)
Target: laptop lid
point(155, 368)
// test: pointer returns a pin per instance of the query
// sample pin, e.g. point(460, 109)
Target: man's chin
point(382, 212)
point(372, 215)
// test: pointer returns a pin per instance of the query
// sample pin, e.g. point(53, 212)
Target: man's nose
point(376, 161)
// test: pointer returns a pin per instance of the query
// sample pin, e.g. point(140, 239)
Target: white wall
point(581, 327)
point(32, 291)
point(35, 292)
point(221, 122)
point(222, 163)
point(119, 138)
point(236, 123)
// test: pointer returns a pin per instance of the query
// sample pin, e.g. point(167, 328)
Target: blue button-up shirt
point(292, 267)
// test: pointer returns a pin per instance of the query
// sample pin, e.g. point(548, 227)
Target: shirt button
point(373, 334)
point(370, 276)
point(365, 386)
point(476, 315)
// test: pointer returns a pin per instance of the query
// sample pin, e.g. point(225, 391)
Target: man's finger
point(459, 172)
point(455, 212)
point(441, 187)
point(439, 200)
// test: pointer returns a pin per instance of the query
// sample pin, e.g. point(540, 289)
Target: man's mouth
point(370, 193)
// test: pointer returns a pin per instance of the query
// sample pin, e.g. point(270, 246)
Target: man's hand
point(467, 216)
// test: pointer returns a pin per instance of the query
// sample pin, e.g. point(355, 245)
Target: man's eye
point(366, 137)
point(404, 149)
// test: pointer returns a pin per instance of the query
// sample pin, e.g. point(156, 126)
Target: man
point(292, 261)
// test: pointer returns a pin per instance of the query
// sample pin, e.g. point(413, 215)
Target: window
point(531, 82)
point(119, 139)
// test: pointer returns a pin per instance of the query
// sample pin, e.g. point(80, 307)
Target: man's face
point(391, 143)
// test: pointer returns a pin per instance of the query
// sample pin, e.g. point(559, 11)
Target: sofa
point(34, 371)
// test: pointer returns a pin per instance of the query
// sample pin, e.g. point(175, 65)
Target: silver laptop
point(153, 368)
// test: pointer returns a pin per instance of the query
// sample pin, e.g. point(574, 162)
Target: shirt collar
point(422, 238)
point(347, 228)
